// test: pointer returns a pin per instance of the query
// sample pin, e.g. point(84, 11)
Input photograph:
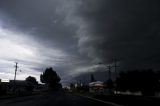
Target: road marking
point(106, 102)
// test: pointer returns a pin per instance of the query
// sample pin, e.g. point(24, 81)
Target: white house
point(96, 87)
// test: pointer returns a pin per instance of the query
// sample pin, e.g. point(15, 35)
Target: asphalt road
point(130, 100)
point(52, 99)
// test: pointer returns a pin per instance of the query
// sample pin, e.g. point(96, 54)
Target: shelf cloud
point(73, 36)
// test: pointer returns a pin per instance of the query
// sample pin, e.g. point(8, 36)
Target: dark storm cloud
point(49, 42)
point(97, 29)
point(127, 30)
point(40, 18)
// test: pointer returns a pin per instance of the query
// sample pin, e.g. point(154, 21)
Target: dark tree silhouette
point(31, 81)
point(145, 81)
point(92, 78)
point(109, 84)
point(72, 86)
point(51, 79)
point(3, 89)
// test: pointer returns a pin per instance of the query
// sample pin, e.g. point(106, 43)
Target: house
point(96, 87)
point(18, 85)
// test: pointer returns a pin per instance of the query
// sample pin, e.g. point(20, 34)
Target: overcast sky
point(72, 36)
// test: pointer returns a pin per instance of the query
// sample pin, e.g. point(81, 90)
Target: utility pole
point(109, 72)
point(115, 68)
point(16, 67)
point(109, 81)
point(108, 69)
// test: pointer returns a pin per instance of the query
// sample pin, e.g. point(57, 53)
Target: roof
point(18, 82)
point(96, 83)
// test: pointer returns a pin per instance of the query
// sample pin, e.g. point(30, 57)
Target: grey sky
point(73, 35)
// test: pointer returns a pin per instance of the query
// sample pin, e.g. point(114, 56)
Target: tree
point(72, 87)
point(51, 79)
point(109, 84)
point(3, 89)
point(145, 81)
point(31, 81)
point(92, 78)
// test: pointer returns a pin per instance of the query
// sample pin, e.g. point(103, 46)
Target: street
point(70, 99)
point(51, 99)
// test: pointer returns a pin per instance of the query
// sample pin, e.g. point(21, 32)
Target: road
point(131, 100)
point(52, 99)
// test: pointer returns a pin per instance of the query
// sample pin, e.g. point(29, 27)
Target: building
point(18, 85)
point(96, 87)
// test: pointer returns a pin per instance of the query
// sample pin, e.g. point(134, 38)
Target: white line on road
point(106, 102)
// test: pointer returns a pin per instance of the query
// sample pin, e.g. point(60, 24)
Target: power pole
point(108, 69)
point(115, 68)
point(16, 67)
point(109, 72)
